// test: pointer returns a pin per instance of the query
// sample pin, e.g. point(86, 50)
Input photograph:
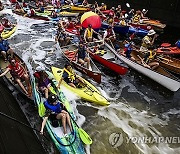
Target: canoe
point(89, 92)
point(154, 23)
point(169, 50)
point(36, 17)
point(117, 28)
point(10, 79)
point(141, 25)
point(108, 59)
point(72, 142)
point(68, 14)
point(171, 64)
point(138, 31)
point(7, 33)
point(161, 76)
point(93, 72)
point(72, 31)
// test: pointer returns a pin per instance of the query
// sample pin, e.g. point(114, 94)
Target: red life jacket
point(109, 33)
point(17, 70)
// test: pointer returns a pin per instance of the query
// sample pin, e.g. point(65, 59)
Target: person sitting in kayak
point(103, 7)
point(54, 14)
point(137, 17)
point(55, 111)
point(19, 74)
point(18, 8)
point(82, 56)
point(31, 12)
point(127, 51)
point(41, 8)
point(85, 2)
point(62, 37)
point(148, 59)
point(109, 34)
point(148, 40)
point(69, 24)
point(70, 77)
point(5, 49)
point(7, 24)
point(88, 34)
point(43, 83)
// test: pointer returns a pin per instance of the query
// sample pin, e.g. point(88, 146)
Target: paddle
point(11, 118)
point(83, 135)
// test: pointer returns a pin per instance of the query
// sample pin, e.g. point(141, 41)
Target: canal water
point(143, 116)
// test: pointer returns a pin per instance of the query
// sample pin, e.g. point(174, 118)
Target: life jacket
point(151, 56)
point(17, 70)
point(103, 8)
point(143, 41)
point(123, 22)
point(110, 21)
point(71, 75)
point(32, 11)
point(54, 108)
point(109, 33)
point(71, 25)
point(89, 32)
point(136, 18)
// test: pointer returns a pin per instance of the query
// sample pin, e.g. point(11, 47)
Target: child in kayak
point(43, 83)
point(55, 111)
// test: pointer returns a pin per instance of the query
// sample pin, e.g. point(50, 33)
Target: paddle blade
point(84, 136)
point(41, 109)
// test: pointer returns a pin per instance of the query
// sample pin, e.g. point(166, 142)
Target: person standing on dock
point(148, 40)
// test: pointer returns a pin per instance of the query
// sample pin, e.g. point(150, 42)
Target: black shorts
point(52, 117)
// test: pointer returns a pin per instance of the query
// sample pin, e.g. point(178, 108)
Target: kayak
point(7, 33)
point(89, 92)
point(68, 14)
point(154, 23)
point(70, 144)
point(75, 8)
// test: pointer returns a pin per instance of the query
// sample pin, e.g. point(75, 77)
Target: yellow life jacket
point(104, 8)
point(144, 44)
point(101, 52)
point(123, 22)
point(89, 32)
point(151, 56)
point(71, 74)
point(136, 18)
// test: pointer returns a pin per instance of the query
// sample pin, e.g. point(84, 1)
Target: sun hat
point(151, 32)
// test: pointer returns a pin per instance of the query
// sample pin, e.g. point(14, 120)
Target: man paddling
point(70, 77)
point(88, 34)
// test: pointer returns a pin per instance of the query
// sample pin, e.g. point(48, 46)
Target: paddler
point(137, 17)
point(19, 8)
point(7, 24)
point(103, 7)
point(127, 51)
point(82, 55)
point(55, 111)
point(5, 49)
point(43, 82)
point(19, 74)
point(70, 77)
point(109, 34)
point(88, 34)
point(148, 60)
point(148, 40)
point(85, 2)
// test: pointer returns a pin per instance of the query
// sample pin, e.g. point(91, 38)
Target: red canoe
point(108, 59)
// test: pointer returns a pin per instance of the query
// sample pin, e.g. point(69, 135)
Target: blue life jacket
point(54, 108)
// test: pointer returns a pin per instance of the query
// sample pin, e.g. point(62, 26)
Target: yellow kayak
point(7, 33)
point(68, 14)
point(76, 8)
point(89, 92)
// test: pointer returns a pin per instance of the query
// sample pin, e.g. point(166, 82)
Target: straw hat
point(151, 32)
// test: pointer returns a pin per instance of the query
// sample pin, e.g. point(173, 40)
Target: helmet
point(51, 99)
